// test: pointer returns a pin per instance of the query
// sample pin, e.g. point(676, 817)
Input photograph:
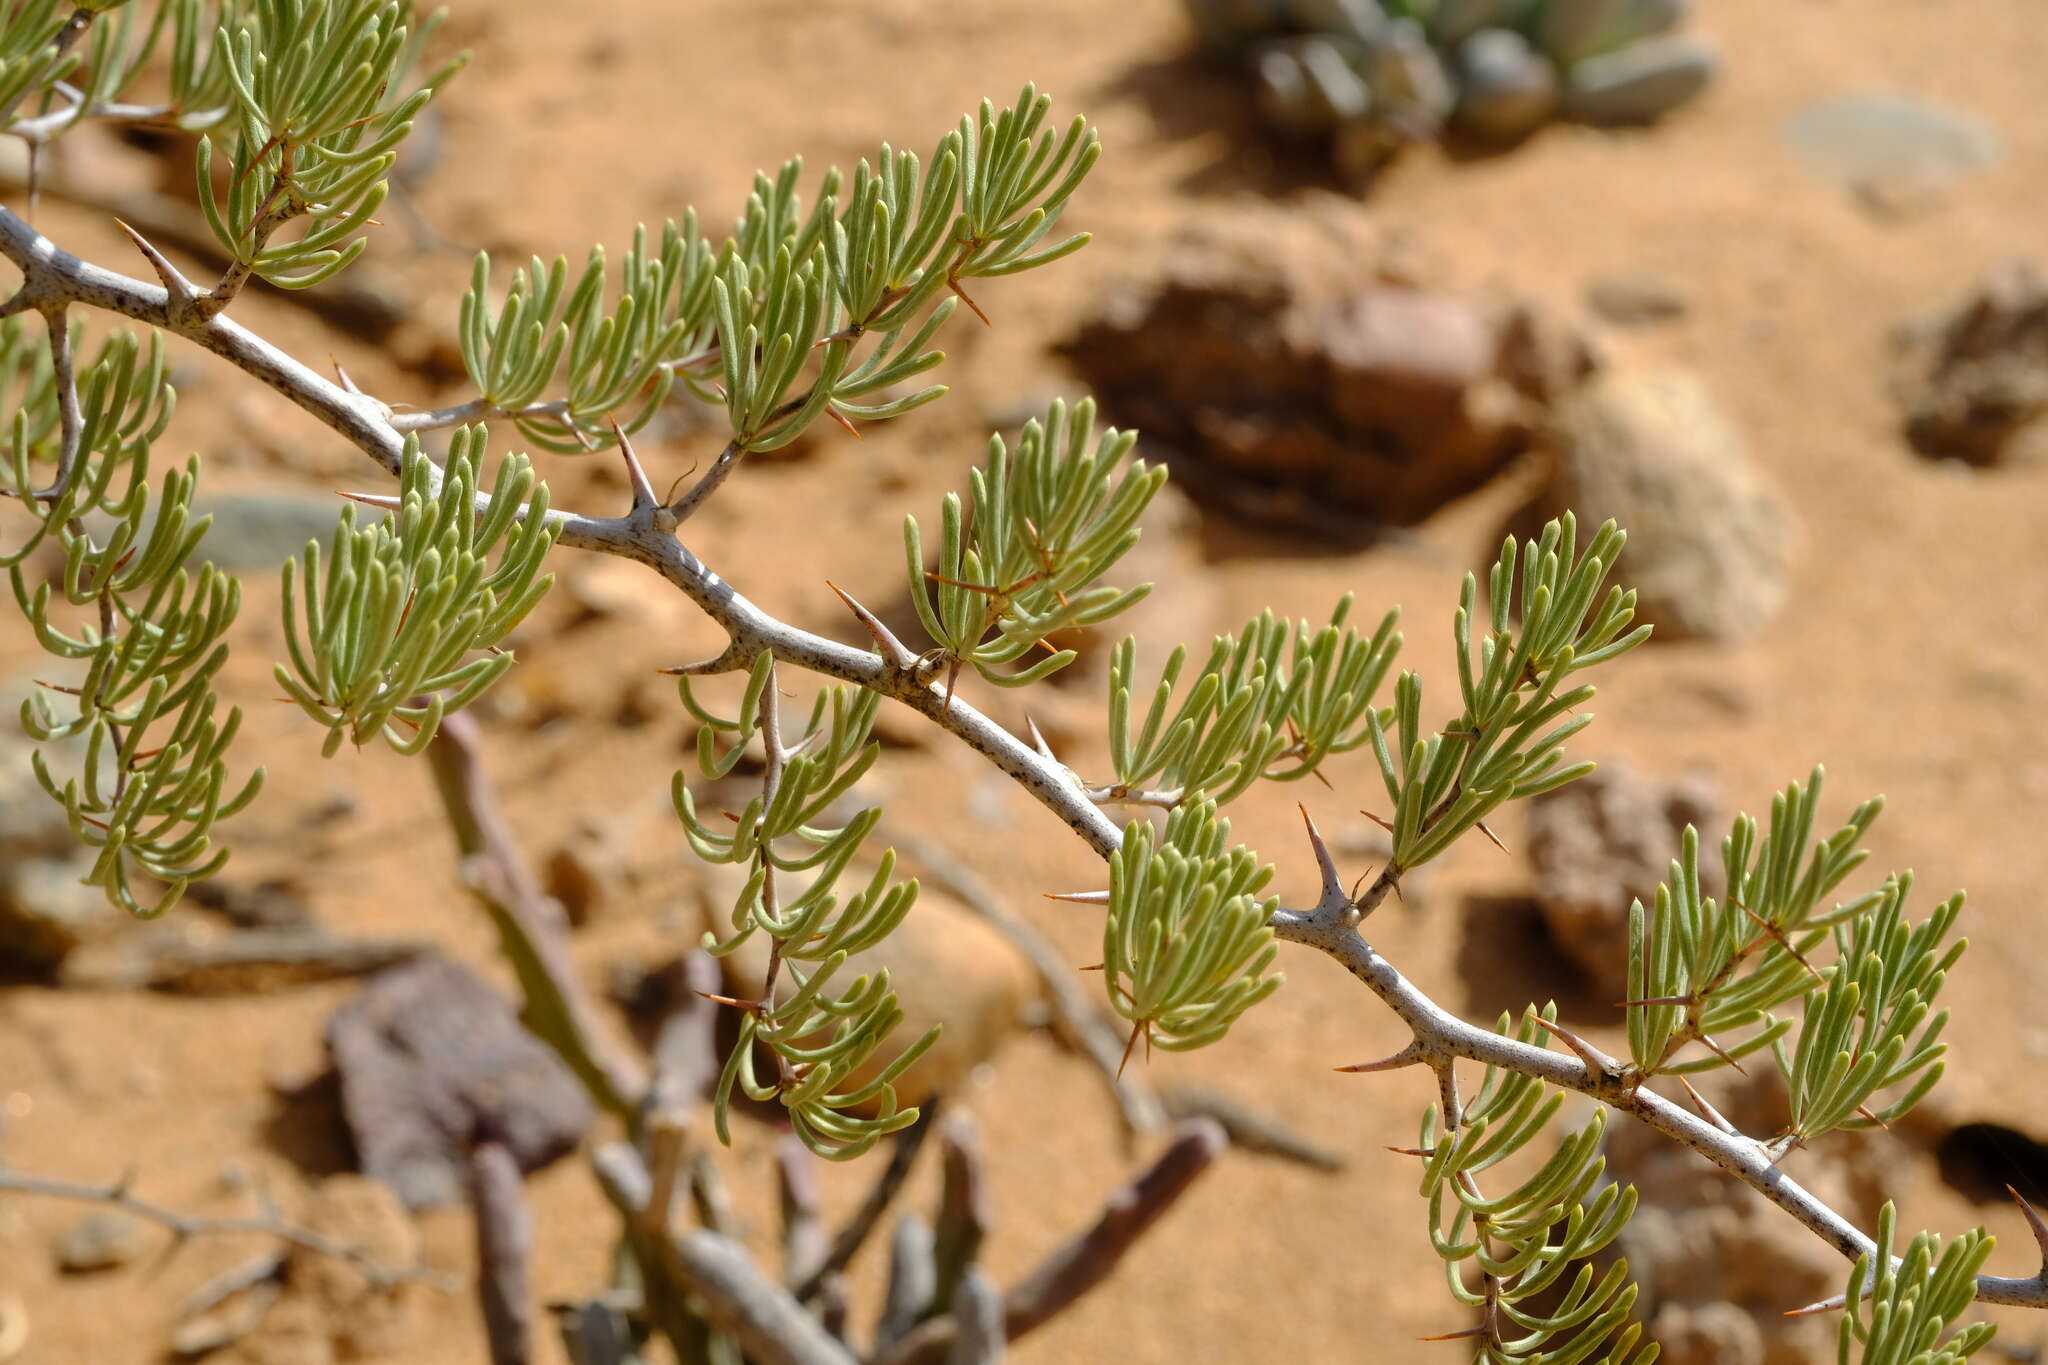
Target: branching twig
point(54, 278)
point(184, 1227)
point(1088, 1258)
point(530, 926)
point(504, 1247)
point(762, 1316)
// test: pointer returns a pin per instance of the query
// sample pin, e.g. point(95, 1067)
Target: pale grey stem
point(963, 1210)
point(763, 1317)
point(504, 1249)
point(185, 1226)
point(1087, 1259)
point(531, 927)
point(709, 482)
point(911, 1280)
point(978, 1316)
point(53, 277)
point(43, 127)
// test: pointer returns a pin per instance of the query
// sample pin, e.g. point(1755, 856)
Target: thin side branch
point(185, 1226)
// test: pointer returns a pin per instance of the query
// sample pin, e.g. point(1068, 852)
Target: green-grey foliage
point(1022, 563)
point(322, 94)
point(1272, 701)
point(1498, 749)
point(823, 1043)
point(400, 622)
point(1505, 1253)
point(1185, 943)
point(1900, 1310)
point(152, 781)
point(771, 323)
point(1703, 971)
point(1869, 1028)
point(829, 305)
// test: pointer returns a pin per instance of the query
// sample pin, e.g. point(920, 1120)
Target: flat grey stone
point(1863, 139)
point(430, 1058)
point(259, 530)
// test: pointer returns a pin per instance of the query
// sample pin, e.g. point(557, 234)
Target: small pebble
point(101, 1240)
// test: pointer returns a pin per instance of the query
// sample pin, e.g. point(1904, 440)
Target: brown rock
point(1975, 386)
point(1710, 545)
point(1288, 383)
point(101, 1240)
point(1605, 841)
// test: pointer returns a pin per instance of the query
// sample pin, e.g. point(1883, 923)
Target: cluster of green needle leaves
point(1705, 971)
point(1710, 972)
point(1508, 1255)
point(152, 780)
point(400, 621)
point(826, 1045)
point(1498, 748)
point(1899, 1310)
point(321, 93)
point(1185, 943)
point(1272, 701)
point(1022, 562)
point(804, 310)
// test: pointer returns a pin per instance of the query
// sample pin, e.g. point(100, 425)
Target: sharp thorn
point(836, 415)
point(636, 477)
point(1038, 741)
point(2034, 1224)
point(1826, 1305)
point(1137, 1027)
point(387, 501)
point(1707, 1111)
point(1410, 1055)
point(341, 376)
point(1383, 824)
point(1411, 1151)
point(1710, 1045)
point(1594, 1059)
point(954, 285)
point(729, 661)
point(1079, 897)
point(893, 649)
point(1456, 1336)
point(1493, 838)
point(1333, 884)
point(180, 290)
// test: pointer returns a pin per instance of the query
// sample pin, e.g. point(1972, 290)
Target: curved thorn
point(2034, 1225)
point(893, 649)
point(636, 477)
point(1410, 1055)
point(182, 291)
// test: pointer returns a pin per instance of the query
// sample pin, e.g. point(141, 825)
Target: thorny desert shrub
point(825, 301)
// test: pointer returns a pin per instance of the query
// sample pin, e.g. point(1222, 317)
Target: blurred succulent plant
point(1371, 76)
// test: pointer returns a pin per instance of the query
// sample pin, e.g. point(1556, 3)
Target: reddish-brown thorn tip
point(1410, 1055)
point(1706, 1041)
point(1456, 1336)
point(1383, 824)
point(836, 415)
point(954, 285)
point(636, 477)
point(1826, 1305)
point(2034, 1223)
point(1492, 838)
point(1137, 1028)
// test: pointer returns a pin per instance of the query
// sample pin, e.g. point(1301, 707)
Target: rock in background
point(1367, 78)
point(1974, 378)
point(1605, 841)
point(1710, 544)
point(1288, 384)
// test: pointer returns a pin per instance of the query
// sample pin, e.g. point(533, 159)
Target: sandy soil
point(1911, 659)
